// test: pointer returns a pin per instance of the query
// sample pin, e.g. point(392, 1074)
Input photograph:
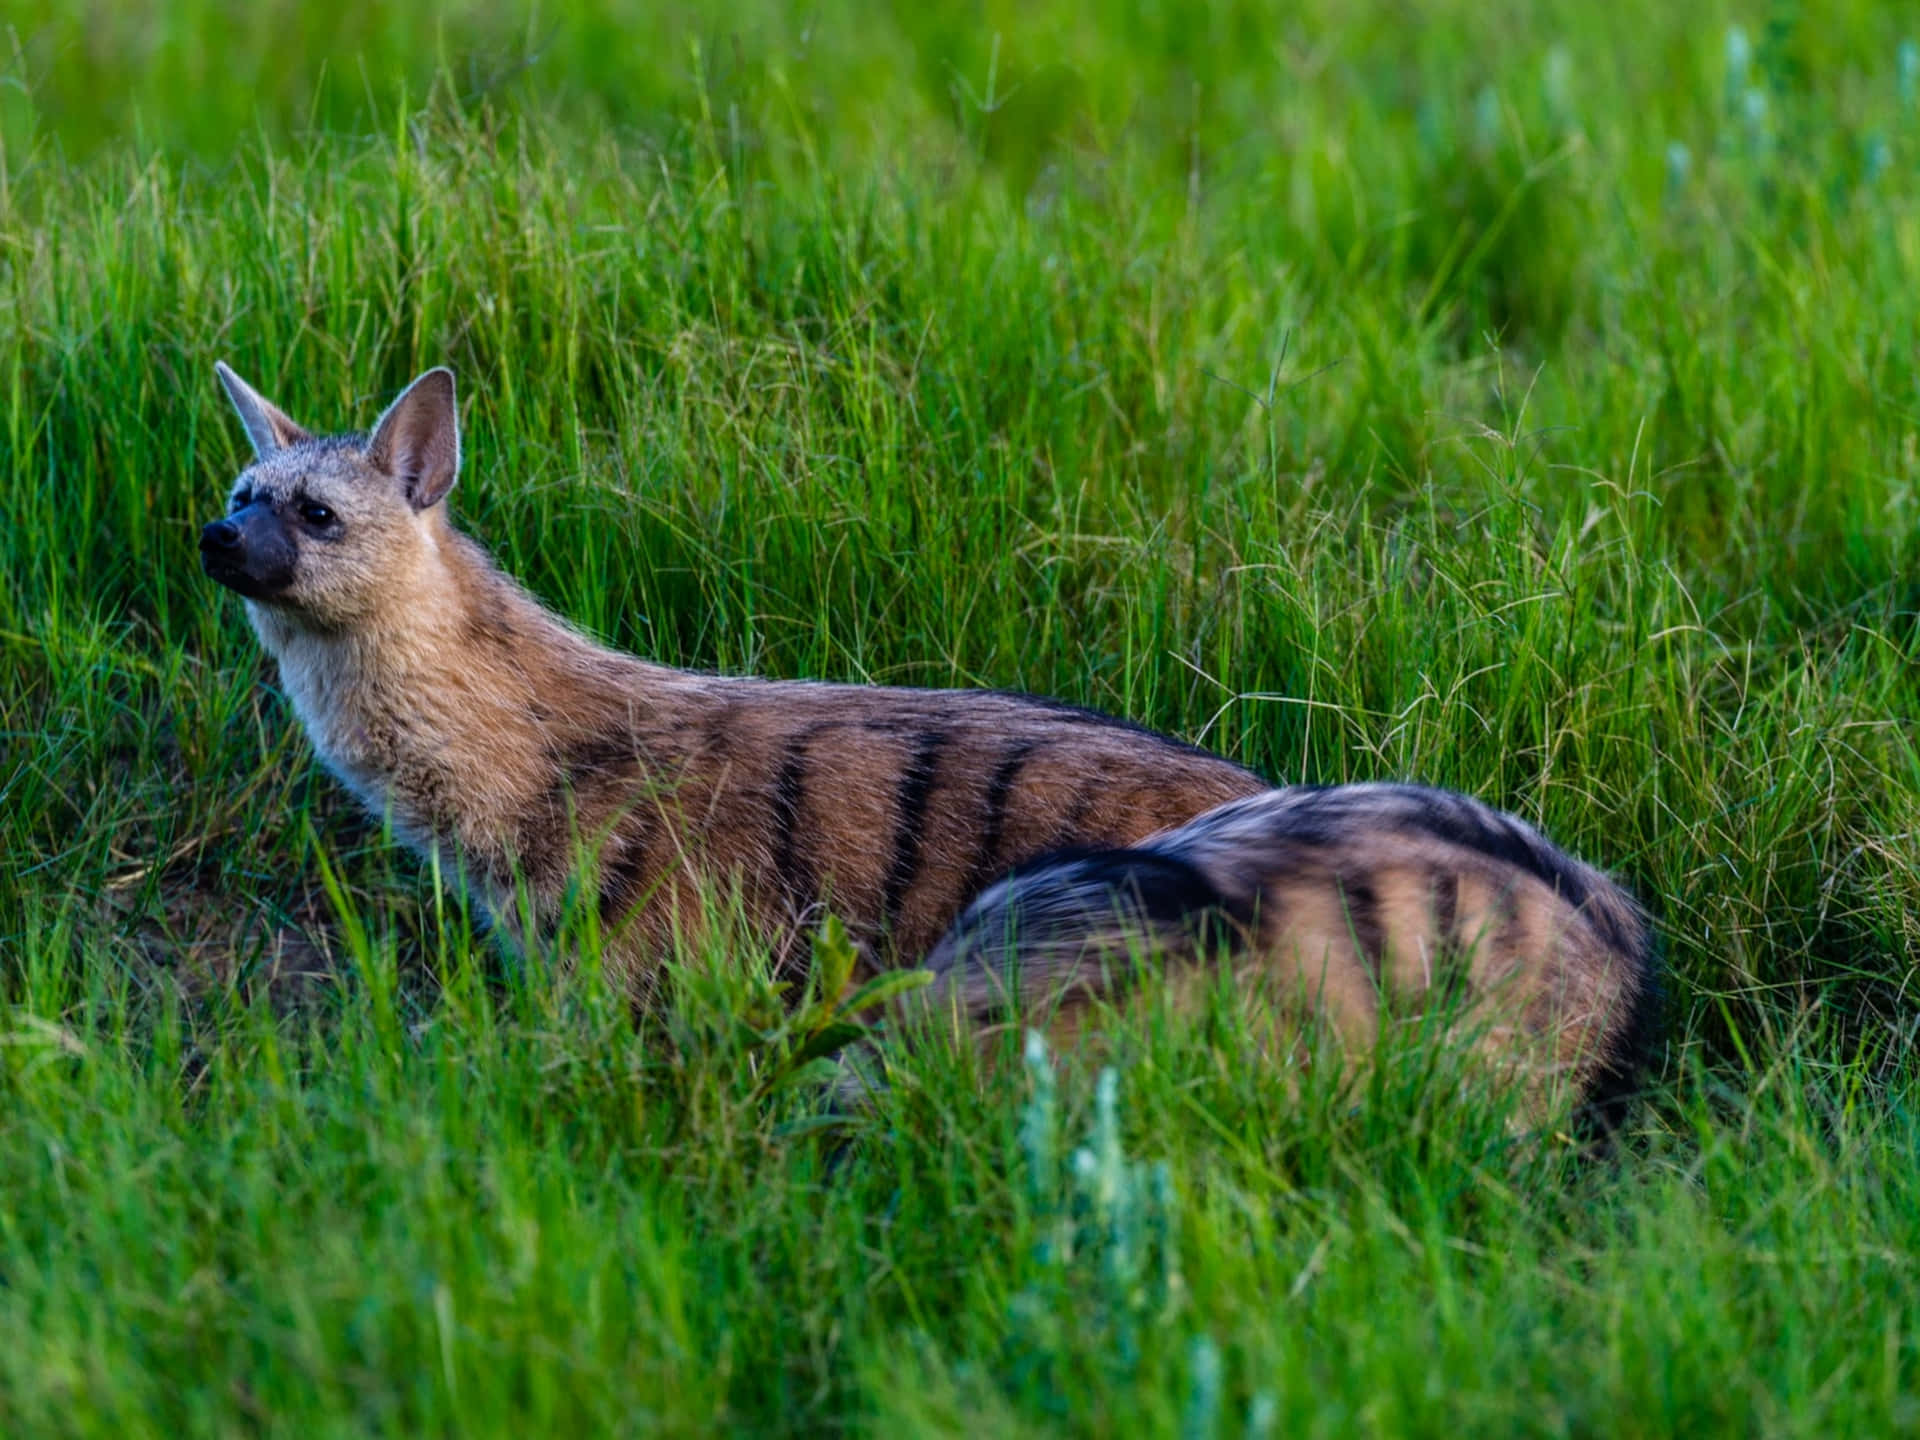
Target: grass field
point(1519, 398)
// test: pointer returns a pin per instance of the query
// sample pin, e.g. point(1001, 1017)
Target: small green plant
point(1106, 1280)
point(796, 1047)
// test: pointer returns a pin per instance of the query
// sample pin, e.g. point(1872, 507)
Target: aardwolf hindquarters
point(1371, 903)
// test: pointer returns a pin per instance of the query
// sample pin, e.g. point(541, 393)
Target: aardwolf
point(1018, 847)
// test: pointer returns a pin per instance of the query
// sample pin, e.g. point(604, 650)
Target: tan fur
point(445, 696)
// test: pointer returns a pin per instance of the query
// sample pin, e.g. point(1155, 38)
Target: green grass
point(1364, 398)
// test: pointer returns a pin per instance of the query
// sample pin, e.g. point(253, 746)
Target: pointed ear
point(267, 426)
point(417, 441)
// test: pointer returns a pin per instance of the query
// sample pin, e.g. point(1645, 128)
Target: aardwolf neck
point(447, 706)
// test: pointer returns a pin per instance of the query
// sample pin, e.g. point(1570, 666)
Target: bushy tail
point(1074, 923)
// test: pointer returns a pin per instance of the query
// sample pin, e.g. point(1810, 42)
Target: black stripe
point(1452, 975)
point(599, 755)
point(1070, 832)
point(581, 766)
point(1259, 918)
point(620, 880)
point(489, 624)
point(1363, 920)
point(910, 812)
point(592, 760)
point(1446, 906)
point(1452, 962)
point(716, 732)
point(993, 824)
point(1506, 940)
point(789, 791)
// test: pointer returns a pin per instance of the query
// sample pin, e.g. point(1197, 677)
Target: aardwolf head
point(322, 531)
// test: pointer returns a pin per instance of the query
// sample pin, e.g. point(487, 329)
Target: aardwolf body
point(1021, 848)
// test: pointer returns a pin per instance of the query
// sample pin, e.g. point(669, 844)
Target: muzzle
point(249, 551)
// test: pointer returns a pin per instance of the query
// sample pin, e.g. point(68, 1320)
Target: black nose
point(220, 535)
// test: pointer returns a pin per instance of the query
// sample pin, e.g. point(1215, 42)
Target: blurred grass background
point(1515, 398)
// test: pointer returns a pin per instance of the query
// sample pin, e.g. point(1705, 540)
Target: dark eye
point(315, 514)
point(241, 500)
